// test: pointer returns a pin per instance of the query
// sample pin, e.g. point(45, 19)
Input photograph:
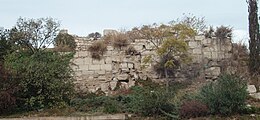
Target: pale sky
point(81, 17)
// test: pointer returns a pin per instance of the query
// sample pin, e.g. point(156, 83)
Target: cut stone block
point(83, 67)
point(251, 89)
point(94, 67)
point(101, 72)
point(200, 37)
point(106, 67)
point(193, 44)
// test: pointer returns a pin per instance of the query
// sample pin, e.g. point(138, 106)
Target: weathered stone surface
point(107, 67)
point(113, 85)
point(84, 67)
point(94, 67)
point(212, 72)
point(193, 44)
point(102, 78)
point(256, 95)
point(251, 89)
point(123, 77)
point(104, 86)
point(201, 37)
point(115, 64)
point(82, 53)
point(197, 51)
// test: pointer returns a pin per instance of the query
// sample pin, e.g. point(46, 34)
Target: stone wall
point(116, 69)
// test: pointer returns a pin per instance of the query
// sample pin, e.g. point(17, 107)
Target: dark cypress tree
point(254, 41)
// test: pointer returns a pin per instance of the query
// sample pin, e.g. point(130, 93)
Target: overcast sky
point(84, 16)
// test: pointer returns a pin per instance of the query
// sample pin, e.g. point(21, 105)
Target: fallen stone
point(113, 85)
point(256, 95)
point(251, 89)
point(123, 77)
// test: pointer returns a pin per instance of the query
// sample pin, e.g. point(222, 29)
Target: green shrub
point(45, 79)
point(226, 96)
point(65, 42)
point(193, 108)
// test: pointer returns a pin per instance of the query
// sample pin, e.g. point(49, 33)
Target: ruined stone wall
point(116, 69)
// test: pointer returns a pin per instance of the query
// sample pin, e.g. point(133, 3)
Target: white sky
point(84, 16)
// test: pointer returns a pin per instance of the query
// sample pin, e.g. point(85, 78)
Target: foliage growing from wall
point(120, 40)
point(130, 51)
point(97, 49)
point(223, 32)
point(94, 36)
point(64, 42)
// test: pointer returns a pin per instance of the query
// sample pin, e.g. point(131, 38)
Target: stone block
point(251, 89)
point(124, 65)
point(110, 48)
point(86, 72)
point(214, 55)
point(94, 67)
point(199, 37)
point(206, 42)
point(98, 62)
point(108, 60)
point(130, 65)
point(83, 53)
point(78, 61)
point(104, 87)
point(87, 60)
point(197, 51)
point(102, 78)
point(113, 85)
point(256, 95)
point(131, 83)
point(123, 77)
point(83, 67)
point(193, 44)
point(212, 72)
point(101, 72)
point(207, 55)
point(106, 67)
point(138, 47)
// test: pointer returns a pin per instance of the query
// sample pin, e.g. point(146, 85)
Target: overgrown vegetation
point(220, 33)
point(130, 51)
point(120, 40)
point(149, 99)
point(64, 42)
point(223, 32)
point(33, 78)
point(97, 49)
point(226, 96)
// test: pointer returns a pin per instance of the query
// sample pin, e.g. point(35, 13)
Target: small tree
point(95, 35)
point(65, 42)
point(34, 34)
point(254, 41)
point(196, 23)
point(174, 49)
